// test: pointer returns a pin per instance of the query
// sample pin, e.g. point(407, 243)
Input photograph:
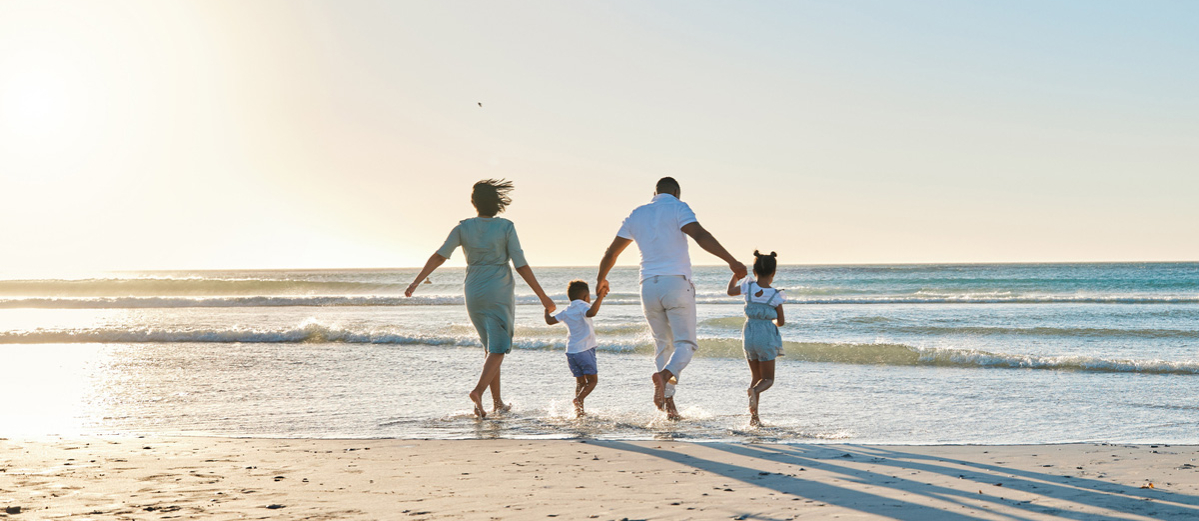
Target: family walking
point(660, 230)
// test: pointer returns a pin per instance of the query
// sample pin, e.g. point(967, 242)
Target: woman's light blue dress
point(760, 336)
point(489, 243)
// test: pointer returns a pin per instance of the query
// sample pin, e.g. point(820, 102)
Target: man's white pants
point(669, 305)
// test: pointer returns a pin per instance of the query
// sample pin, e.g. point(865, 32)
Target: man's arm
point(601, 281)
point(709, 243)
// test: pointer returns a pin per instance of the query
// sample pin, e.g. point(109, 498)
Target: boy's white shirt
point(582, 331)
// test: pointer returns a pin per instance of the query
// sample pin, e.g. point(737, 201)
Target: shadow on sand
point(1103, 500)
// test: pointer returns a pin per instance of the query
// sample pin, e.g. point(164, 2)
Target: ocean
point(898, 354)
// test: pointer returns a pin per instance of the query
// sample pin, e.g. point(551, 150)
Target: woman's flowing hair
point(490, 196)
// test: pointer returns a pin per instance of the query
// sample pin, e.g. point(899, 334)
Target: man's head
point(667, 185)
point(578, 290)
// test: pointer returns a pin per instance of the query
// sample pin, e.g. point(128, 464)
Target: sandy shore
point(105, 477)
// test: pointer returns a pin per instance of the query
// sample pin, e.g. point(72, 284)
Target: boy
point(580, 348)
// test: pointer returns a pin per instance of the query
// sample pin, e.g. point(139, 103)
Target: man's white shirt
point(657, 229)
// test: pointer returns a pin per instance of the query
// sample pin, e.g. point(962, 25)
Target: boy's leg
point(491, 370)
point(580, 384)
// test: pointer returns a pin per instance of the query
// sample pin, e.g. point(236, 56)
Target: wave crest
point(863, 354)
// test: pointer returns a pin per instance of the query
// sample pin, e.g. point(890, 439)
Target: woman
point(489, 242)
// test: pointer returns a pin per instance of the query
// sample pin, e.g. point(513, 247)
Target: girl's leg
point(766, 373)
point(755, 371)
point(491, 370)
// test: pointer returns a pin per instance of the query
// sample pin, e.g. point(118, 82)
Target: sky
point(342, 134)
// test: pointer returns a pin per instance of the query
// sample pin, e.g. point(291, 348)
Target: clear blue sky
point(347, 134)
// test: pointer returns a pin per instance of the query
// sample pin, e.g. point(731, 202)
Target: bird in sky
point(480, 103)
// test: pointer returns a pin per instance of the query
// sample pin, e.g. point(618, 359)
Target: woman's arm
point(734, 288)
point(527, 273)
point(780, 320)
point(434, 261)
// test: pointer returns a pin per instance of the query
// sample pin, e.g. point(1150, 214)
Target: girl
point(761, 339)
point(488, 242)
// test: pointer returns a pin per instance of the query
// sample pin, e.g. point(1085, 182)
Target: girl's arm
point(734, 288)
point(434, 261)
point(527, 273)
point(780, 321)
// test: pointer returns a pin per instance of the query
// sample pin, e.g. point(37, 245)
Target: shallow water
point(900, 354)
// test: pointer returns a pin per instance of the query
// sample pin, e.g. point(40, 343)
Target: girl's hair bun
point(764, 264)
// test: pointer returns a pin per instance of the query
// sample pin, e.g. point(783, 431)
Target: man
point(667, 293)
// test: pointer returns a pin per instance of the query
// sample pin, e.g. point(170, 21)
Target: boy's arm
point(734, 288)
point(595, 306)
point(548, 319)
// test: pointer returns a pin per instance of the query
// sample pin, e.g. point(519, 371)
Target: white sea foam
point(844, 353)
point(137, 302)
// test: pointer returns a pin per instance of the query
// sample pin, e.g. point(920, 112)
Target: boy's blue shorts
point(582, 363)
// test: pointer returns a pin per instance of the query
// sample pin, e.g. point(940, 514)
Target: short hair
point(764, 265)
point(577, 290)
point(490, 196)
point(667, 185)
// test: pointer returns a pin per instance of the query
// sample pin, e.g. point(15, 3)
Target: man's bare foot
point(501, 407)
point(659, 390)
point(579, 408)
point(478, 399)
point(672, 413)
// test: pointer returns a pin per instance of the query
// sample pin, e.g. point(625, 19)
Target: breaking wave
point(227, 301)
point(843, 353)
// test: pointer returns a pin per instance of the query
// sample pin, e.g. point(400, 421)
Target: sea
point(880, 354)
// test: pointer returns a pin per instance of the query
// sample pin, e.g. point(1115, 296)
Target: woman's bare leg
point(491, 370)
point(497, 403)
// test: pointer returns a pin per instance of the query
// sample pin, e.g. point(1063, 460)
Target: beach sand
point(126, 477)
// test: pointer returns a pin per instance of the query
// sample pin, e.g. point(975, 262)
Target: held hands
point(601, 288)
point(548, 303)
point(739, 271)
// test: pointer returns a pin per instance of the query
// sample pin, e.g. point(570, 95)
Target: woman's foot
point(478, 399)
point(754, 421)
point(498, 407)
point(579, 408)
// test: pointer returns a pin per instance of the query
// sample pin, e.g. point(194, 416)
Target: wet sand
point(124, 477)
